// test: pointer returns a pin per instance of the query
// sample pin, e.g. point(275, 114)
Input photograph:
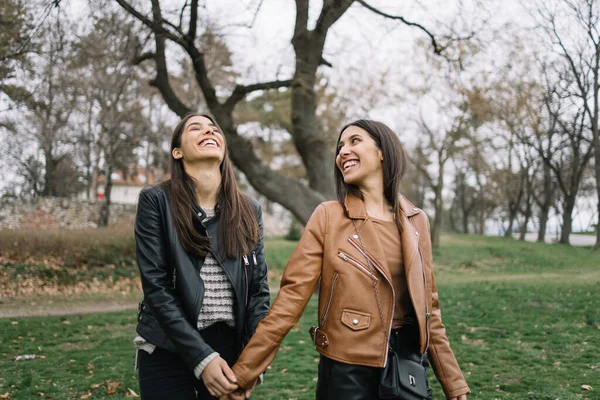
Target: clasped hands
point(221, 382)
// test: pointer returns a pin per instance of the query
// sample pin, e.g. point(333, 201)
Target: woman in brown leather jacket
point(372, 253)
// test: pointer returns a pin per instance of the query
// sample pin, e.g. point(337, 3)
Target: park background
point(497, 104)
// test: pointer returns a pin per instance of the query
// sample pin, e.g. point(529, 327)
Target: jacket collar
point(355, 207)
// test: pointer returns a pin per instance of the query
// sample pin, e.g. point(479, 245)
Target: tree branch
point(241, 91)
point(143, 57)
point(436, 47)
point(191, 35)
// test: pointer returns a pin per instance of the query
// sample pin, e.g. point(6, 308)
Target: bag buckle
point(319, 338)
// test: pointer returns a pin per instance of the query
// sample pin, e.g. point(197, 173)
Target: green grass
point(523, 320)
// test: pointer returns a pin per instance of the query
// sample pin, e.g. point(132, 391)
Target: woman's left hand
point(461, 397)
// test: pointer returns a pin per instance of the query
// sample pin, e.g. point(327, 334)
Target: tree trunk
point(49, 189)
point(523, 230)
point(544, 212)
point(105, 208)
point(512, 214)
point(569, 205)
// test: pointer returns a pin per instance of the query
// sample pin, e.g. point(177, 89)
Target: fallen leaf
point(586, 387)
point(5, 395)
point(131, 394)
point(86, 396)
point(12, 323)
point(65, 322)
point(111, 387)
point(284, 371)
point(91, 367)
point(95, 386)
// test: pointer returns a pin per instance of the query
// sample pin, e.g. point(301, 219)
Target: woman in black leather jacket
point(204, 276)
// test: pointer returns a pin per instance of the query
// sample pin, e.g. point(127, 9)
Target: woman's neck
point(377, 205)
point(207, 178)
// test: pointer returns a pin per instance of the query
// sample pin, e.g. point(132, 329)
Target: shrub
point(114, 245)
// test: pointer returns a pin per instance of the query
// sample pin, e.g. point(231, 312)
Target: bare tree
point(115, 118)
point(572, 26)
point(308, 139)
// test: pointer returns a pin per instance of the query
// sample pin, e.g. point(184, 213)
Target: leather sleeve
point(152, 259)
point(442, 358)
point(258, 285)
point(297, 286)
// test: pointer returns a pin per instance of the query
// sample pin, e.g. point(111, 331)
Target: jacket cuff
point(200, 367)
point(457, 392)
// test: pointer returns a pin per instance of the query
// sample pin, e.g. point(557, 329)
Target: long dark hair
point(238, 228)
point(394, 163)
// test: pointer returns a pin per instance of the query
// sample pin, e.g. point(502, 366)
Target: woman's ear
point(176, 153)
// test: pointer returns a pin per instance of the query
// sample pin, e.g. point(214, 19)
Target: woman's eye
point(354, 140)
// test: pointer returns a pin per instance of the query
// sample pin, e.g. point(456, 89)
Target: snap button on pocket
point(356, 320)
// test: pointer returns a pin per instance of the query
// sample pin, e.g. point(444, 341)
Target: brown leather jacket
point(348, 312)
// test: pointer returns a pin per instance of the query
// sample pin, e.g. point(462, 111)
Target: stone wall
point(75, 213)
point(51, 212)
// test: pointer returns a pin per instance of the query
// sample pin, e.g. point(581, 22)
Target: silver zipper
point(352, 261)
point(254, 258)
point(335, 278)
point(247, 283)
point(391, 321)
point(427, 313)
point(246, 262)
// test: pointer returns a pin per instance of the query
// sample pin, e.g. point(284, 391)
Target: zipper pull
point(427, 316)
point(254, 258)
point(343, 256)
point(246, 262)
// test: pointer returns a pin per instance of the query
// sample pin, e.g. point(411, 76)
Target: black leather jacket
point(173, 289)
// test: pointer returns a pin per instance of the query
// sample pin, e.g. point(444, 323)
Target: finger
point(228, 372)
point(222, 385)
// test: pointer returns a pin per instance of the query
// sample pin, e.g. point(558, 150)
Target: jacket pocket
point(357, 265)
point(356, 320)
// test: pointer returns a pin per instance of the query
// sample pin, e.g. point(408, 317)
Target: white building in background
point(126, 187)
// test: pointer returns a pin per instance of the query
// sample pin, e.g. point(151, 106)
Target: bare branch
point(241, 91)
point(191, 35)
point(143, 57)
point(436, 47)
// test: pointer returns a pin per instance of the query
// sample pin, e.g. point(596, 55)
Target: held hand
point(461, 397)
point(249, 391)
point(240, 393)
point(218, 378)
point(237, 395)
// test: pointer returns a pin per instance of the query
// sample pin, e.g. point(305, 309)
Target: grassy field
point(523, 320)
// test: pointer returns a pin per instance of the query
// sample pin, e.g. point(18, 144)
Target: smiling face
point(201, 140)
point(359, 158)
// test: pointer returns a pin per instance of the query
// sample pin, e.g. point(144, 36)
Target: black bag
point(403, 377)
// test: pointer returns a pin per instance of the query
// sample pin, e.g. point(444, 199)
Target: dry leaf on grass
point(91, 367)
point(586, 387)
point(111, 387)
point(5, 395)
point(131, 394)
point(86, 396)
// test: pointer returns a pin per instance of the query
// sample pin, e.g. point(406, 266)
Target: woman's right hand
point(218, 378)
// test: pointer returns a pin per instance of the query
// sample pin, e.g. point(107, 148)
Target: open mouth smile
point(209, 142)
point(349, 164)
